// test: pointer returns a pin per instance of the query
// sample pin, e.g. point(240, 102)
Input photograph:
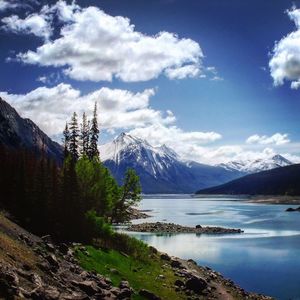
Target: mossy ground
point(139, 274)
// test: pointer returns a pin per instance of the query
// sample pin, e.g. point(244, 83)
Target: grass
point(139, 274)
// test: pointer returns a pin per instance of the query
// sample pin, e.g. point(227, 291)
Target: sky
point(214, 80)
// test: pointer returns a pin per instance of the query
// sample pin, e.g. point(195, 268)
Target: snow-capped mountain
point(160, 169)
point(258, 165)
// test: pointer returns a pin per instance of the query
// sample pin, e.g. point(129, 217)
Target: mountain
point(17, 133)
point(279, 181)
point(160, 169)
point(258, 165)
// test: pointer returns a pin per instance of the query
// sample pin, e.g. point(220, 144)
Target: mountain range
point(161, 169)
point(257, 165)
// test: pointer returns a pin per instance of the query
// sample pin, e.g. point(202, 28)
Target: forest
point(76, 201)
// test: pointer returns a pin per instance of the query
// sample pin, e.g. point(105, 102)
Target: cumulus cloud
point(34, 24)
point(5, 4)
point(285, 59)
point(158, 134)
point(50, 108)
point(96, 46)
point(276, 139)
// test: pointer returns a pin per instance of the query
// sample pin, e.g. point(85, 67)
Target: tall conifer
point(74, 135)
point(94, 135)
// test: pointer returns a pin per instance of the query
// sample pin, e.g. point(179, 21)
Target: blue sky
point(237, 87)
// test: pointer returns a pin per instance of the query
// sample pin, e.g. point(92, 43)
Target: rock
point(148, 295)
point(192, 261)
point(176, 264)
point(179, 283)
point(124, 285)
point(161, 276)
point(51, 258)
point(63, 248)
point(114, 271)
point(51, 293)
point(293, 209)
point(165, 256)
point(196, 284)
point(88, 286)
point(125, 294)
point(50, 247)
point(153, 250)
point(36, 280)
point(46, 238)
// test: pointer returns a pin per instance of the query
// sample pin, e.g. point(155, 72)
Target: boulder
point(52, 260)
point(148, 295)
point(196, 284)
point(165, 256)
point(88, 286)
point(176, 264)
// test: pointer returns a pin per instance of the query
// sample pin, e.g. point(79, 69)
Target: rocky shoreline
point(160, 227)
point(136, 214)
point(36, 268)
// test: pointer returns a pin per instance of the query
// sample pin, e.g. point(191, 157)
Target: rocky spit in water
point(293, 209)
point(160, 227)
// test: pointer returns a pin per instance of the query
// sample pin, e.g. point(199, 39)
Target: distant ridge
point(17, 133)
point(279, 181)
point(257, 165)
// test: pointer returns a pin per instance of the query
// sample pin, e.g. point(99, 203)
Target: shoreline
point(275, 200)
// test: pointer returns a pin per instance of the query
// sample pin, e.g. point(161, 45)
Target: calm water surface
point(264, 259)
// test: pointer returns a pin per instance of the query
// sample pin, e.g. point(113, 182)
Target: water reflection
point(265, 259)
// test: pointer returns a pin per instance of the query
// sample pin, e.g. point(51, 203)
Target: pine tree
point(84, 135)
point(66, 140)
point(94, 135)
point(74, 135)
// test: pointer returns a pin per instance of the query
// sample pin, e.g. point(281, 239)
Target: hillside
point(17, 133)
point(35, 268)
point(279, 181)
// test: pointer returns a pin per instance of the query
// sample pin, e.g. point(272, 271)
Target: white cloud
point(276, 139)
point(50, 108)
point(5, 4)
point(285, 58)
point(32, 24)
point(96, 46)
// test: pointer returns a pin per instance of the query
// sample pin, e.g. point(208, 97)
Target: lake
point(265, 259)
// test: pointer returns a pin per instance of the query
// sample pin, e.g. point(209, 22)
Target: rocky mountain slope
point(160, 169)
point(16, 133)
point(279, 181)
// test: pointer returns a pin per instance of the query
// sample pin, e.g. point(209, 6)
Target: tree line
point(76, 201)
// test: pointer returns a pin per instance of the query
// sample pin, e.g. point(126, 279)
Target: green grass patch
point(140, 274)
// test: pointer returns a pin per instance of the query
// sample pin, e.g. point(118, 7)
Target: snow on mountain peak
point(253, 166)
point(128, 147)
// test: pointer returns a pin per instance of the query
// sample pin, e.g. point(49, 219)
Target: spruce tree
point(74, 135)
point(94, 135)
point(84, 136)
point(66, 140)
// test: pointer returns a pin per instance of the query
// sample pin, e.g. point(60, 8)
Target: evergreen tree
point(94, 135)
point(130, 196)
point(84, 136)
point(74, 135)
point(66, 140)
